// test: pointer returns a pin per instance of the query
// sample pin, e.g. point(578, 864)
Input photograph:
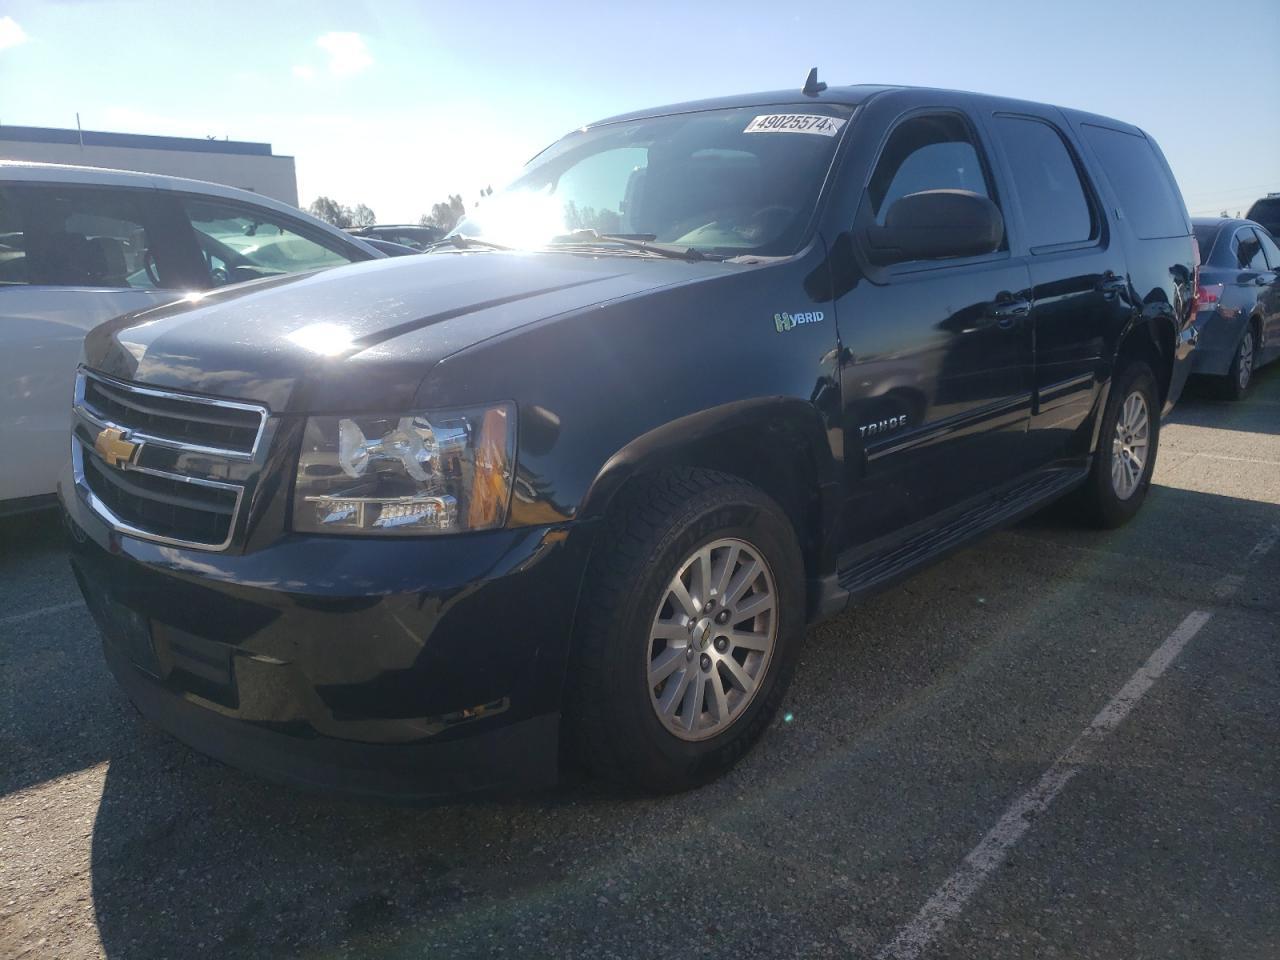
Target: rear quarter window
point(1206, 235)
point(1147, 195)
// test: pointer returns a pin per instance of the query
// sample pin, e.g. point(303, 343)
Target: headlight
point(422, 473)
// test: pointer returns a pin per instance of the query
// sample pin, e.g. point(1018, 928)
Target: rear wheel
point(690, 622)
point(1240, 375)
point(1127, 445)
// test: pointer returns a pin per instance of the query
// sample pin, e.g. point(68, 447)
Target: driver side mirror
point(935, 224)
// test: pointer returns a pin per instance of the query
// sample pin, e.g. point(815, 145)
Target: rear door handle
point(1111, 284)
point(1009, 313)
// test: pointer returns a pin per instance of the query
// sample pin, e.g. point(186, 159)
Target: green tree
point(589, 218)
point(330, 211)
point(362, 216)
point(445, 215)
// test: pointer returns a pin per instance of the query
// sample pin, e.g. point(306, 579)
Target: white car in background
point(80, 245)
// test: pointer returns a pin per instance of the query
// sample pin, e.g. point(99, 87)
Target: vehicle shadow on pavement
point(192, 857)
point(58, 713)
point(1202, 405)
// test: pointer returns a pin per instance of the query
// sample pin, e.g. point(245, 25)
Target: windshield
point(720, 182)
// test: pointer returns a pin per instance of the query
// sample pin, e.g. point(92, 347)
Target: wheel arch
point(1255, 321)
point(1153, 340)
point(777, 444)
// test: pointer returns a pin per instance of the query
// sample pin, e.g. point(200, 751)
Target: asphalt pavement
point(1060, 742)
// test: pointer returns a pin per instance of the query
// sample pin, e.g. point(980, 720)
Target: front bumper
point(413, 667)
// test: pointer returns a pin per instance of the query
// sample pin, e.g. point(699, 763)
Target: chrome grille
point(199, 424)
point(176, 483)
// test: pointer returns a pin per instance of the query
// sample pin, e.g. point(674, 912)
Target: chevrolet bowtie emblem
point(115, 447)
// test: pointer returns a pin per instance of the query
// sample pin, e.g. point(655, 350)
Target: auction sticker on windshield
point(795, 123)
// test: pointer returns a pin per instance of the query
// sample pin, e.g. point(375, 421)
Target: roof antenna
point(812, 85)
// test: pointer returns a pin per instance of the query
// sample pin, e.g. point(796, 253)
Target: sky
point(396, 105)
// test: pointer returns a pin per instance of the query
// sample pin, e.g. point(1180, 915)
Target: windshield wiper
point(625, 240)
point(464, 242)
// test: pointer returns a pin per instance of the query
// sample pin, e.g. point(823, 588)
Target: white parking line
point(950, 898)
point(32, 614)
point(1263, 546)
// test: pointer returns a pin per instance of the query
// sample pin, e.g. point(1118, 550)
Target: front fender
point(738, 438)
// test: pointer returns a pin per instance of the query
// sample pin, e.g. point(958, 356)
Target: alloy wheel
point(1244, 362)
point(1129, 445)
point(712, 638)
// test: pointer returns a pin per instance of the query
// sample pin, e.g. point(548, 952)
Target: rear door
point(1078, 278)
point(71, 256)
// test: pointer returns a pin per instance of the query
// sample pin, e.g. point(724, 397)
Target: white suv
point(80, 245)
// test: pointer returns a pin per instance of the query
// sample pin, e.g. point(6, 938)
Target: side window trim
point(862, 214)
point(1100, 236)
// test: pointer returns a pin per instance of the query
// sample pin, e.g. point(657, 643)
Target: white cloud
point(303, 72)
point(348, 54)
point(11, 35)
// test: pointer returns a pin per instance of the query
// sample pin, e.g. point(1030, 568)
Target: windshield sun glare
point(720, 182)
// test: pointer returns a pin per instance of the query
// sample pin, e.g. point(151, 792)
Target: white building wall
point(270, 176)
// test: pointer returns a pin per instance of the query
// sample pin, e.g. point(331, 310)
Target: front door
point(937, 355)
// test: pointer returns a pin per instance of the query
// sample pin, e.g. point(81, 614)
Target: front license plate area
point(126, 629)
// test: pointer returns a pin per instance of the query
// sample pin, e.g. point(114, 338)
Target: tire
point(614, 708)
point(1236, 383)
point(1113, 495)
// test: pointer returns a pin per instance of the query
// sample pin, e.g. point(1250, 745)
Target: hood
point(361, 338)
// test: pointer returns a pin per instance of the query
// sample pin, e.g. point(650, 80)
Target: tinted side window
point(80, 237)
point(240, 243)
point(1271, 250)
point(1146, 194)
point(927, 153)
point(1246, 251)
point(1053, 201)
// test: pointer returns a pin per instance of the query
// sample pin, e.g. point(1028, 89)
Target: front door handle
point(1112, 284)
point(1009, 313)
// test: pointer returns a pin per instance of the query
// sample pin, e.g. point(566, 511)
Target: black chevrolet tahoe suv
point(574, 482)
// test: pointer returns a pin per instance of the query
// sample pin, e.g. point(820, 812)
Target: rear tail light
point(1208, 295)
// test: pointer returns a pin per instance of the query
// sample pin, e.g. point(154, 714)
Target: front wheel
point(690, 622)
point(1127, 444)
